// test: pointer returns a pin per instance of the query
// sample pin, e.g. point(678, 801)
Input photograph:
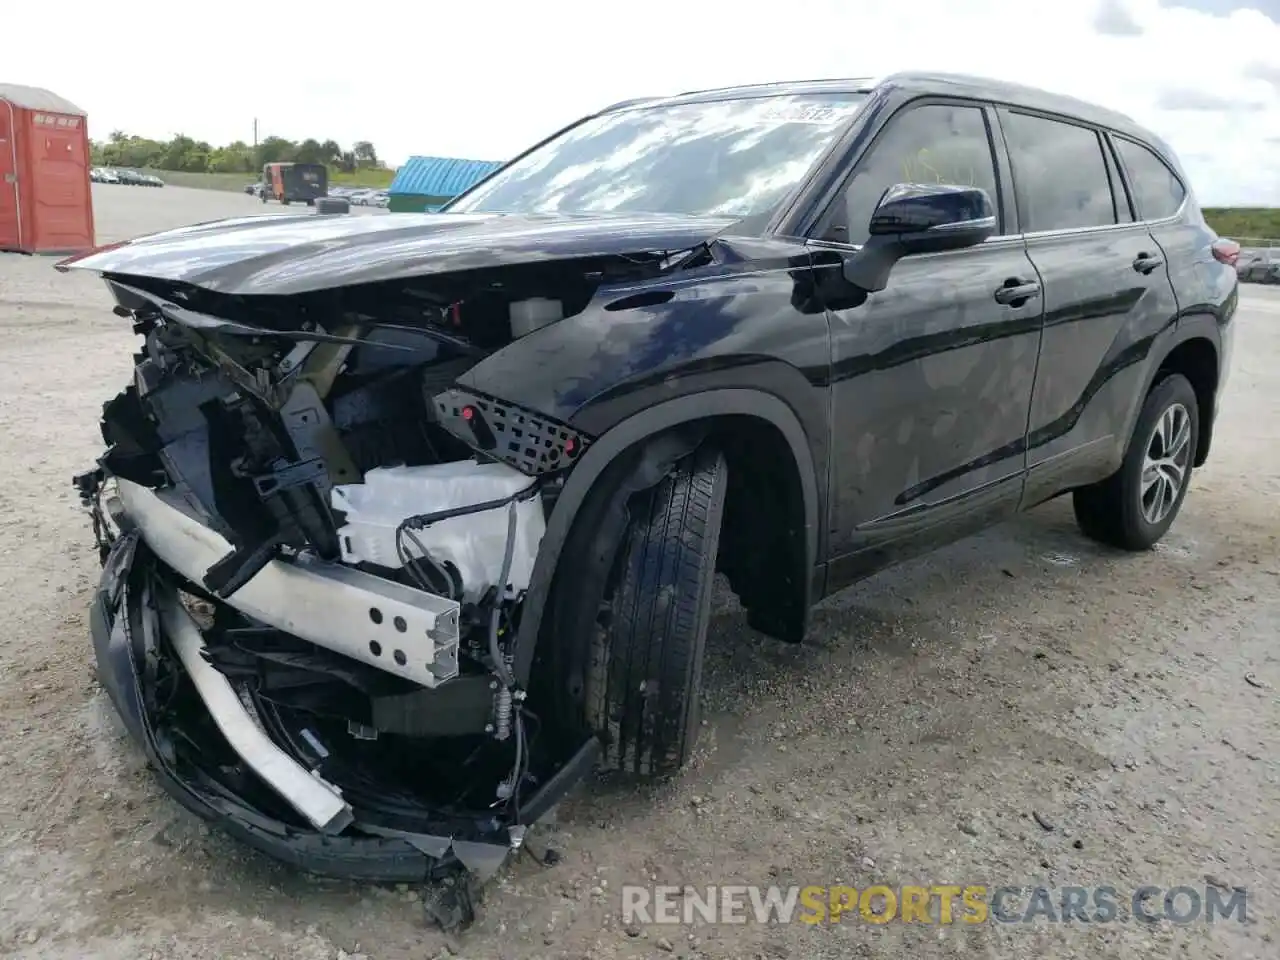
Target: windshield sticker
point(808, 113)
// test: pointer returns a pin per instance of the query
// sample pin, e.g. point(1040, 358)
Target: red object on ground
point(46, 203)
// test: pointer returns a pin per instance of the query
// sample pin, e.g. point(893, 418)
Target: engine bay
point(349, 535)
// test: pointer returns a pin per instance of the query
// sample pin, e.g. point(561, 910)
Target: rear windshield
point(728, 157)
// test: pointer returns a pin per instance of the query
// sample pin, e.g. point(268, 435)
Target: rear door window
point(1059, 173)
point(1156, 191)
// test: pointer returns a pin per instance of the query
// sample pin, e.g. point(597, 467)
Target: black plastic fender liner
point(627, 434)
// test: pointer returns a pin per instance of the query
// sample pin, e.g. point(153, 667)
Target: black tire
point(1111, 511)
point(644, 678)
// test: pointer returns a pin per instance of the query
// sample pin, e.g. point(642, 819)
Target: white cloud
point(486, 79)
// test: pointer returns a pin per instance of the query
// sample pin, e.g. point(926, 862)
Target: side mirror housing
point(919, 218)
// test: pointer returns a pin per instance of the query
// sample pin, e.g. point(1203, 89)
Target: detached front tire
point(643, 675)
point(1134, 507)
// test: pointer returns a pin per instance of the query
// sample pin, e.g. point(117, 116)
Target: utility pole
point(255, 133)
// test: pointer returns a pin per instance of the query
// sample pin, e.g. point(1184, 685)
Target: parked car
point(150, 180)
point(131, 178)
point(380, 198)
point(845, 324)
point(107, 175)
point(1259, 267)
point(362, 198)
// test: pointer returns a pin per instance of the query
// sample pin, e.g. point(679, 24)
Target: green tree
point(184, 153)
point(310, 151)
point(366, 156)
point(275, 150)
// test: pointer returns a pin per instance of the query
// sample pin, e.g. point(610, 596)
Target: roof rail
point(627, 103)
point(777, 83)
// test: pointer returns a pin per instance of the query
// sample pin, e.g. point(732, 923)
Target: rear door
point(1106, 296)
point(1164, 203)
point(10, 234)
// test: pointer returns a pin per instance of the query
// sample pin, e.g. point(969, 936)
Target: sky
point(483, 80)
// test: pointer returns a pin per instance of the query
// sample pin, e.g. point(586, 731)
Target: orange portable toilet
point(46, 204)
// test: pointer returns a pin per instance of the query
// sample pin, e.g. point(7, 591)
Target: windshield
point(728, 157)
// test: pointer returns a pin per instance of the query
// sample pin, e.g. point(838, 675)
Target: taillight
point(1225, 251)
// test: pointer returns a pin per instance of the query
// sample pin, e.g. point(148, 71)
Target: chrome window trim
point(1075, 231)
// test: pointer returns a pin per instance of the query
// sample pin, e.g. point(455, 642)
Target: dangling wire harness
point(509, 712)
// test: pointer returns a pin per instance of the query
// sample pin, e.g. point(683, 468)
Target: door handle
point(1016, 292)
point(1144, 263)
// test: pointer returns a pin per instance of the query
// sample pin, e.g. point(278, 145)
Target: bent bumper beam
point(406, 632)
point(319, 802)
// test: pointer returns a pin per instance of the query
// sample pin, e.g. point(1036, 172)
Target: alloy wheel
point(1165, 465)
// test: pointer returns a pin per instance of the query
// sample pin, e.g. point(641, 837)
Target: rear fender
point(1199, 326)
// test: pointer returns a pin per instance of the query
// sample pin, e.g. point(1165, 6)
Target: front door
point(932, 377)
point(10, 223)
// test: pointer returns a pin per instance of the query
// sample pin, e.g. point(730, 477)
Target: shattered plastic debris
point(1060, 559)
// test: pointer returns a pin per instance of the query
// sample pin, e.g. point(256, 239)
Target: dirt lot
point(1133, 702)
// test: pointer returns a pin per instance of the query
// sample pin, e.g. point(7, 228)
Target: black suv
point(453, 487)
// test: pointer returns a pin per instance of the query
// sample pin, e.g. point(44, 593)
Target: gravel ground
point(1133, 702)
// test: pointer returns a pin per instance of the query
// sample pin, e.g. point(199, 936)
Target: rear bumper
point(136, 623)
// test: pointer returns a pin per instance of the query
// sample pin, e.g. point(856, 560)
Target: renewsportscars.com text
point(935, 904)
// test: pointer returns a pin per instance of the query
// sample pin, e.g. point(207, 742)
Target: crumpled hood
point(307, 252)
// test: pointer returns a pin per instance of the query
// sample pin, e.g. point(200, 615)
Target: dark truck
point(451, 488)
point(287, 182)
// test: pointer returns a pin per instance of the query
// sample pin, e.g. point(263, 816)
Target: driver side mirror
point(919, 218)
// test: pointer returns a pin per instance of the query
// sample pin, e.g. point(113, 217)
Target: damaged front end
point(315, 550)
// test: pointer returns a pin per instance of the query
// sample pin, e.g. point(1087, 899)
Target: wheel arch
point(1195, 352)
point(650, 441)
point(1197, 359)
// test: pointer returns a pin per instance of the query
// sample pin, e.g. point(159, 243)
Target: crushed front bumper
point(270, 800)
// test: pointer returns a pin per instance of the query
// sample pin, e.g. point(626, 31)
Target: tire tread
point(661, 608)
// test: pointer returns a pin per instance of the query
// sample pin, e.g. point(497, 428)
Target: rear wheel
point(1134, 507)
point(639, 684)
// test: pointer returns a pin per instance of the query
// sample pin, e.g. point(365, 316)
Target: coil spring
point(502, 714)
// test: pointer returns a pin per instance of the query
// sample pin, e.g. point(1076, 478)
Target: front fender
point(752, 306)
